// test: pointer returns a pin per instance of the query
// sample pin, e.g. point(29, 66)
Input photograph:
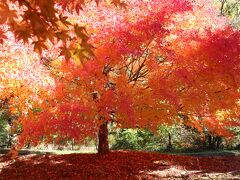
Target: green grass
point(200, 154)
point(29, 151)
point(69, 151)
point(210, 153)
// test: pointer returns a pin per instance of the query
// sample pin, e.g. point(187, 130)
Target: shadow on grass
point(208, 153)
point(115, 165)
point(25, 152)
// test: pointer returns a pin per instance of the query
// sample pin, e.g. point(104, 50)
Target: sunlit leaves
point(154, 62)
point(24, 80)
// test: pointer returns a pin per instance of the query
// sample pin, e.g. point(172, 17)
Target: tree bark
point(103, 146)
point(219, 142)
point(222, 7)
point(210, 142)
point(169, 147)
point(10, 139)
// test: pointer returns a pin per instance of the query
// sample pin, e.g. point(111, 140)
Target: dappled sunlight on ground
point(119, 165)
point(171, 172)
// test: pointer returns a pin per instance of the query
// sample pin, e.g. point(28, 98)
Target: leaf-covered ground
point(120, 165)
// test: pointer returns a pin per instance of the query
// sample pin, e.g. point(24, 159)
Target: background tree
point(24, 83)
point(231, 9)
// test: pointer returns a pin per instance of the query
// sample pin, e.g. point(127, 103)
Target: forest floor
point(120, 165)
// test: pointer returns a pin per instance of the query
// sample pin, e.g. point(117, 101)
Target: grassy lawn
point(29, 151)
point(210, 153)
point(87, 151)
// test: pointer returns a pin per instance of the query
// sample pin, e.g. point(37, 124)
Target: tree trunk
point(219, 142)
point(28, 145)
point(169, 146)
point(10, 141)
point(210, 142)
point(72, 143)
point(103, 146)
point(222, 7)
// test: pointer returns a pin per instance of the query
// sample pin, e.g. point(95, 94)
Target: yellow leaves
point(222, 115)
point(78, 55)
point(74, 52)
point(78, 49)
point(56, 63)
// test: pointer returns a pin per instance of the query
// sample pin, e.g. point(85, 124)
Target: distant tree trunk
point(28, 145)
point(10, 139)
point(103, 146)
point(222, 7)
point(214, 142)
point(169, 147)
point(72, 144)
point(210, 142)
point(219, 142)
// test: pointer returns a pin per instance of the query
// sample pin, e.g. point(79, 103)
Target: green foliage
point(182, 139)
point(167, 138)
point(7, 136)
point(230, 9)
point(3, 133)
point(235, 142)
point(135, 139)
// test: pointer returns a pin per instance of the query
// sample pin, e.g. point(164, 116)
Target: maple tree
point(99, 91)
point(151, 63)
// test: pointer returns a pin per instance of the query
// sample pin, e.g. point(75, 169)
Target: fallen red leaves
point(115, 165)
